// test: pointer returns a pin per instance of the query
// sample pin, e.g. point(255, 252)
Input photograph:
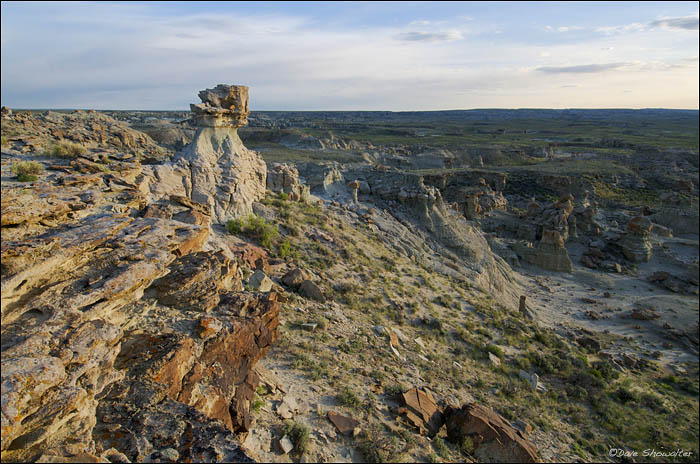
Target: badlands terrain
point(458, 286)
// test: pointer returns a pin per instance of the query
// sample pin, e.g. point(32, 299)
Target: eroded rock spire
point(224, 174)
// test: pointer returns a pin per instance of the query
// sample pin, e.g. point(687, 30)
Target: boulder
point(295, 278)
point(222, 106)
point(311, 290)
point(344, 424)
point(260, 282)
point(493, 438)
point(250, 255)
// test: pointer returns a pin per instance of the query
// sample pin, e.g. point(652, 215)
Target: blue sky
point(351, 55)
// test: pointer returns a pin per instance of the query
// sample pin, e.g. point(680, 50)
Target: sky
point(397, 56)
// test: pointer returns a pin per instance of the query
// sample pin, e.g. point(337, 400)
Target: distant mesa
point(222, 106)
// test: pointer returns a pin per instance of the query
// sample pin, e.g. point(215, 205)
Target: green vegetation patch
point(66, 149)
point(27, 171)
point(253, 227)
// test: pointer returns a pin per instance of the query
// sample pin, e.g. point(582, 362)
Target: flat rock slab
point(345, 425)
point(422, 410)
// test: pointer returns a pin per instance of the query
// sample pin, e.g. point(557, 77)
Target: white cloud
point(581, 69)
point(621, 29)
point(414, 36)
point(688, 23)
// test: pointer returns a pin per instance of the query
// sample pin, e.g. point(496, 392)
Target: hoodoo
point(224, 174)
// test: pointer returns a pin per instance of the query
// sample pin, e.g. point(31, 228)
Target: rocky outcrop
point(550, 253)
point(283, 178)
point(196, 281)
point(635, 241)
point(91, 129)
point(324, 179)
point(679, 213)
point(492, 437)
point(419, 223)
point(204, 361)
point(224, 174)
point(420, 409)
point(125, 331)
point(554, 217)
point(215, 169)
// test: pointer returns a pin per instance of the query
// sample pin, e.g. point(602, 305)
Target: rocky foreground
point(362, 312)
point(125, 328)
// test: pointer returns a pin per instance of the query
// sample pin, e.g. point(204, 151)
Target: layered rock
point(635, 242)
point(492, 437)
point(283, 178)
point(204, 361)
point(679, 213)
point(125, 333)
point(62, 314)
point(215, 169)
point(36, 132)
point(421, 410)
point(222, 106)
point(554, 216)
point(224, 174)
point(550, 253)
point(323, 178)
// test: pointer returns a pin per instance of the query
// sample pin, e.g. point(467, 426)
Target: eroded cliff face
point(125, 333)
point(418, 220)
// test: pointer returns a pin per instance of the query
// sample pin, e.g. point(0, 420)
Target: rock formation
point(90, 129)
point(635, 241)
point(493, 439)
point(285, 178)
point(224, 174)
point(125, 330)
point(222, 106)
point(550, 253)
point(215, 169)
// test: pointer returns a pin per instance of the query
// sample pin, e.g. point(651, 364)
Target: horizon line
point(372, 111)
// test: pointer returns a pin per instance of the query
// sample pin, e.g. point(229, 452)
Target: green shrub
point(466, 446)
point(253, 227)
point(376, 448)
point(442, 450)
point(394, 390)
point(66, 149)
point(298, 434)
point(284, 249)
point(348, 398)
point(257, 405)
point(27, 171)
point(493, 349)
point(625, 395)
point(606, 370)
